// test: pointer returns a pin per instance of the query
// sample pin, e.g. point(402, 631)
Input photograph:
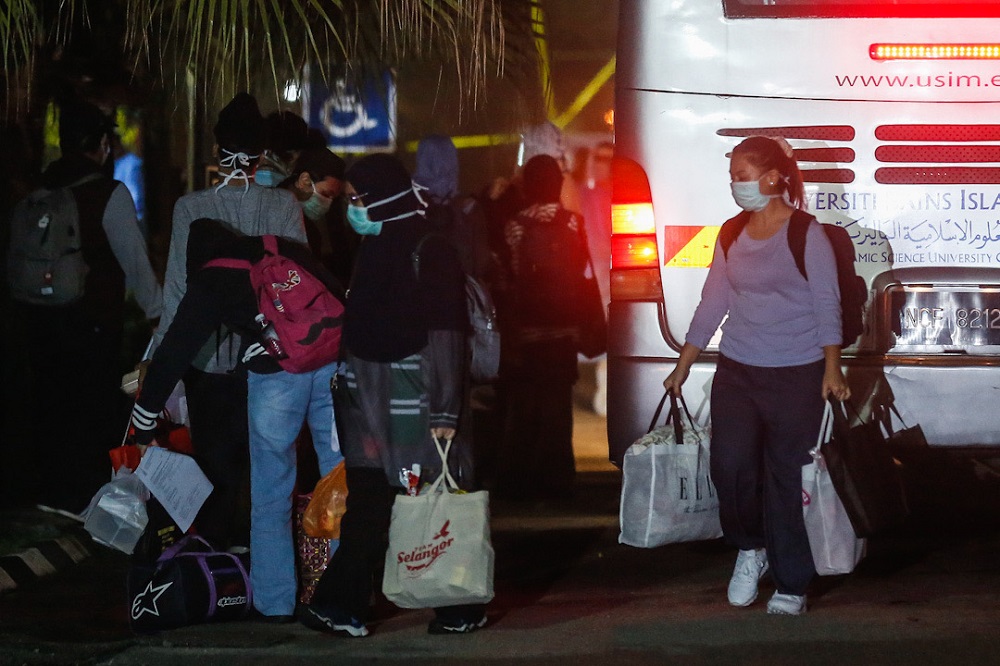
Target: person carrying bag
point(667, 493)
point(835, 547)
point(439, 545)
point(778, 361)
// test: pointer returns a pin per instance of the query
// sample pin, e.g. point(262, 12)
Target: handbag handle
point(445, 477)
point(825, 429)
point(886, 417)
point(673, 416)
point(842, 410)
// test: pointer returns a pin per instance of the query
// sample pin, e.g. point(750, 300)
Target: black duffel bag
point(189, 583)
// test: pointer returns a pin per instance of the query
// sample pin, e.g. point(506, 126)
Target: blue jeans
point(278, 404)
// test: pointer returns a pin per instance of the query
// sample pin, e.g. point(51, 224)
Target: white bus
point(893, 109)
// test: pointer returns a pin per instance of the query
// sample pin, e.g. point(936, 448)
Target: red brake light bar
point(934, 51)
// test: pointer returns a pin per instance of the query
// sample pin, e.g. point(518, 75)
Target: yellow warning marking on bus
point(698, 251)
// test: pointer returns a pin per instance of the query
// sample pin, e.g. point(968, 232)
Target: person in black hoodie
point(278, 405)
point(405, 328)
point(540, 329)
point(73, 350)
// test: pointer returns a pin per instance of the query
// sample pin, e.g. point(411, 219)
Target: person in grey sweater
point(779, 361)
point(215, 384)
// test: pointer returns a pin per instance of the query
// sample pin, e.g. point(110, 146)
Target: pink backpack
point(305, 315)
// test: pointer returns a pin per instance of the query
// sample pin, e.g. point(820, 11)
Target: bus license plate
point(950, 316)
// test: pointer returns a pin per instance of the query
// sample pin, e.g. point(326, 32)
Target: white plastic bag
point(836, 549)
point(116, 516)
point(667, 491)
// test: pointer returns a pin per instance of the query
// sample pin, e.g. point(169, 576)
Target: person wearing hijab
point(215, 383)
point(458, 218)
point(404, 336)
point(462, 220)
point(547, 139)
point(538, 363)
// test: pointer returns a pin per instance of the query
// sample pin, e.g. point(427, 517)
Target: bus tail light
point(635, 267)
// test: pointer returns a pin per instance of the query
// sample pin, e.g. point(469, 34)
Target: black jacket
point(216, 298)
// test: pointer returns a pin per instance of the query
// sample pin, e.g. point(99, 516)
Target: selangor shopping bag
point(667, 493)
point(836, 549)
point(439, 546)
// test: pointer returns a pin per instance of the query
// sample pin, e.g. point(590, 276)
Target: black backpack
point(853, 291)
point(549, 282)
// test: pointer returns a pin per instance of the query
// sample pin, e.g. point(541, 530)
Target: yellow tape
point(474, 141)
point(587, 94)
point(544, 65)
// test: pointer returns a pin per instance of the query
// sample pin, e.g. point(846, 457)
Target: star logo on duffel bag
point(145, 601)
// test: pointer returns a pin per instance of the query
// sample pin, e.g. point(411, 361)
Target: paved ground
point(928, 593)
point(568, 593)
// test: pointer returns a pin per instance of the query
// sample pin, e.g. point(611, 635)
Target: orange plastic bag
point(328, 504)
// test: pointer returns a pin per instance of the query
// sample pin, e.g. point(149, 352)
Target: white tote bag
point(667, 492)
point(835, 547)
point(439, 546)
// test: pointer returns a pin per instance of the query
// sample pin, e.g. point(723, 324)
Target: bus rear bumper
point(955, 401)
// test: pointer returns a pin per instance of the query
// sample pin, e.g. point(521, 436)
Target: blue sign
point(355, 118)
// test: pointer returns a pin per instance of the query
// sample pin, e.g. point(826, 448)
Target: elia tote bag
point(667, 493)
point(439, 546)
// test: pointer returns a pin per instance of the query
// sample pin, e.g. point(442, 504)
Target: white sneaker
point(751, 565)
point(786, 604)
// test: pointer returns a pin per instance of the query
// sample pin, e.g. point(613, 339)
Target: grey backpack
point(45, 262)
point(484, 334)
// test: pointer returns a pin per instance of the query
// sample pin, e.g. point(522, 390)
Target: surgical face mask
point(748, 196)
point(267, 177)
point(316, 206)
point(358, 218)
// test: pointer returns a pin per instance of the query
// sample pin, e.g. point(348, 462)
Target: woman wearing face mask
point(404, 336)
point(779, 361)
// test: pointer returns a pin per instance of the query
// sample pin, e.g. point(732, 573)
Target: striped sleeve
point(144, 423)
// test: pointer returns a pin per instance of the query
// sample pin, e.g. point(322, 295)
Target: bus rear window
point(859, 9)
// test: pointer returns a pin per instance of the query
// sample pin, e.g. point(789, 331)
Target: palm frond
point(231, 44)
point(225, 45)
point(19, 25)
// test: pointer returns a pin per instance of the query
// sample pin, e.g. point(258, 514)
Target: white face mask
point(416, 188)
point(748, 196)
